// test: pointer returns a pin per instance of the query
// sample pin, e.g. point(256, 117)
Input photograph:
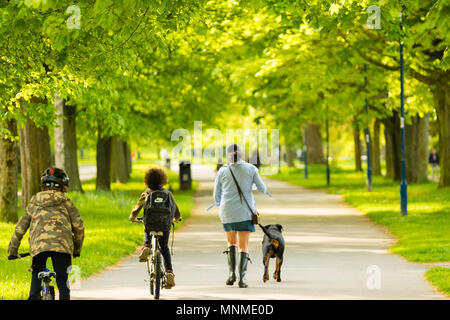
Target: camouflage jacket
point(141, 202)
point(54, 223)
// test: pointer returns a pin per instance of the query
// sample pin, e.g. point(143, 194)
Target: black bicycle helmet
point(54, 177)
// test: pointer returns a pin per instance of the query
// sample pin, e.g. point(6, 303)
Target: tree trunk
point(9, 175)
point(422, 148)
point(441, 95)
point(388, 153)
point(376, 166)
point(314, 144)
point(35, 157)
point(357, 146)
point(416, 146)
point(128, 159)
point(66, 143)
point(290, 156)
point(393, 149)
point(103, 163)
point(119, 164)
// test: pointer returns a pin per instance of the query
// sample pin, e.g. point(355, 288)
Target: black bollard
point(185, 175)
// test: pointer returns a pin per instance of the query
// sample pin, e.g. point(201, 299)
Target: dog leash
point(265, 231)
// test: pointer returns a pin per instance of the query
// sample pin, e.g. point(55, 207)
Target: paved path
point(87, 172)
point(329, 248)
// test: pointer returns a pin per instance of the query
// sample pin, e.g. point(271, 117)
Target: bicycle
point(155, 267)
point(48, 291)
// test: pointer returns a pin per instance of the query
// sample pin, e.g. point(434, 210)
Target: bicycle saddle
point(156, 233)
point(46, 274)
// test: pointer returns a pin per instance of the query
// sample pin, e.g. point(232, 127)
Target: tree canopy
point(140, 69)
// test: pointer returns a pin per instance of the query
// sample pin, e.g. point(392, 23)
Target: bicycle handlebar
point(141, 220)
point(20, 256)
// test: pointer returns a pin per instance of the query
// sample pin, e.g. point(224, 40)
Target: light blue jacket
point(226, 196)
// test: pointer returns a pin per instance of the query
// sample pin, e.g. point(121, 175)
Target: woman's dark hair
point(155, 178)
point(234, 153)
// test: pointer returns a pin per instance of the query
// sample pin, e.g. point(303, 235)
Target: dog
point(272, 247)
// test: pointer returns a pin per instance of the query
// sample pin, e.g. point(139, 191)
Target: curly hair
point(155, 177)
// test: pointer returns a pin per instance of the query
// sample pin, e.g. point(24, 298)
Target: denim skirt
point(239, 226)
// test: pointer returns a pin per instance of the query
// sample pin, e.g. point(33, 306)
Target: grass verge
point(109, 236)
point(440, 278)
point(423, 235)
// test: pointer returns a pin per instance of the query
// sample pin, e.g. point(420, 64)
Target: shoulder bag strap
point(241, 194)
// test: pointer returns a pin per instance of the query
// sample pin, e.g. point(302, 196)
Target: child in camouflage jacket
point(56, 231)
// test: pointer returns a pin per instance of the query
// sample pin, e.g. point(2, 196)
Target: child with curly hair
point(154, 179)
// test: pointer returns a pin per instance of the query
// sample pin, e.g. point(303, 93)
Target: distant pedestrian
point(234, 214)
point(299, 154)
point(255, 159)
point(163, 155)
point(219, 164)
point(434, 161)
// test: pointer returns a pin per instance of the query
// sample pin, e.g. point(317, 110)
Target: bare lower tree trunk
point(376, 166)
point(290, 156)
point(119, 165)
point(103, 163)
point(66, 143)
point(441, 95)
point(416, 145)
point(422, 148)
point(393, 148)
point(35, 158)
point(388, 153)
point(9, 174)
point(314, 144)
point(357, 146)
point(128, 159)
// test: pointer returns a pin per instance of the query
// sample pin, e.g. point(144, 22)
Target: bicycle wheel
point(158, 274)
point(51, 292)
point(48, 292)
point(151, 276)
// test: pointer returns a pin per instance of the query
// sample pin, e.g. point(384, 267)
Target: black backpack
point(158, 211)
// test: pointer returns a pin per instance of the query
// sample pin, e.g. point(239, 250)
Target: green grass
point(440, 277)
point(423, 235)
point(109, 236)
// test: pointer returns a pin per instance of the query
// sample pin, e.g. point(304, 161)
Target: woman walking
point(234, 213)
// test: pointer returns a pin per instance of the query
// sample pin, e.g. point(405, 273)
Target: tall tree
point(314, 144)
point(35, 158)
point(8, 173)
point(65, 135)
point(376, 148)
point(119, 163)
point(103, 181)
point(357, 146)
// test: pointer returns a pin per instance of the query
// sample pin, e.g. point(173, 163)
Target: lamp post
point(305, 154)
point(279, 151)
point(328, 150)
point(367, 136)
point(403, 185)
